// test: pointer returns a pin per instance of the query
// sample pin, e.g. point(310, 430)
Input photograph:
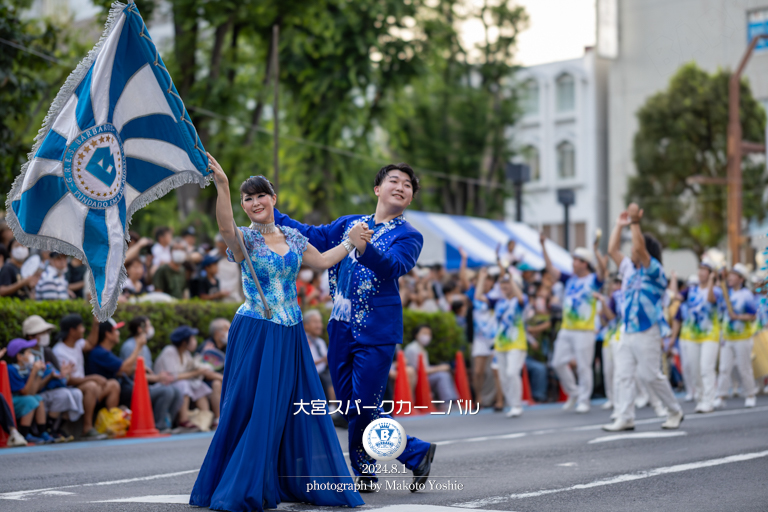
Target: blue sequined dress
point(262, 452)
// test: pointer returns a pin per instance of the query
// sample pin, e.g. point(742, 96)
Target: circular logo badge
point(384, 439)
point(94, 167)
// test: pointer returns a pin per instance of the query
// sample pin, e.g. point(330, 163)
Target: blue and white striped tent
point(444, 234)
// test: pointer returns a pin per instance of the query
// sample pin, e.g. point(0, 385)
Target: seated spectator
point(95, 388)
point(53, 283)
point(161, 251)
point(7, 422)
point(189, 236)
point(177, 360)
point(134, 285)
point(27, 378)
point(166, 399)
point(306, 293)
point(214, 347)
point(101, 360)
point(440, 378)
point(35, 328)
point(229, 273)
point(313, 327)
point(206, 284)
point(171, 278)
point(76, 277)
point(11, 283)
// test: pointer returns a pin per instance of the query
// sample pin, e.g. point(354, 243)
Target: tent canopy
point(444, 234)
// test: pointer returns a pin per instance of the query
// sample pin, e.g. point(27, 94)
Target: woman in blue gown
point(265, 449)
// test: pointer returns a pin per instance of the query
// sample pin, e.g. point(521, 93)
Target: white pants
point(638, 354)
point(689, 369)
point(510, 365)
point(738, 354)
point(608, 371)
point(578, 345)
point(703, 369)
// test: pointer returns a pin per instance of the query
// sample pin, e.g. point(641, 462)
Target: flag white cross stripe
point(116, 137)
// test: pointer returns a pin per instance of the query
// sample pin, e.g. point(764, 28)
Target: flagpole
point(275, 104)
point(267, 309)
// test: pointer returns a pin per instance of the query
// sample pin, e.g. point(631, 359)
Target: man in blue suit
point(367, 318)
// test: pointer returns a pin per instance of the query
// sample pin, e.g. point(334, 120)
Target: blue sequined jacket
point(377, 312)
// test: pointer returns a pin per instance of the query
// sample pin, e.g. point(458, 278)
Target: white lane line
point(637, 435)
point(619, 479)
point(514, 435)
point(568, 464)
point(22, 495)
point(182, 499)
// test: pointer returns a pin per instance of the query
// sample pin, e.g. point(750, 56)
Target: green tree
point(454, 117)
point(28, 82)
point(682, 133)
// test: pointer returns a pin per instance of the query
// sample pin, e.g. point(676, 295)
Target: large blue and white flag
point(116, 137)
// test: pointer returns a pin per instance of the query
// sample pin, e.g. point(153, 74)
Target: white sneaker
point(619, 425)
point(15, 439)
point(514, 412)
point(704, 408)
point(570, 403)
point(688, 397)
point(673, 420)
point(582, 408)
point(607, 405)
point(660, 410)
point(750, 402)
point(615, 414)
point(718, 403)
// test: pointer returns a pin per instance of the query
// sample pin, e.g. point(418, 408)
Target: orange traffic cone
point(423, 393)
point(402, 389)
point(563, 397)
point(5, 390)
point(460, 378)
point(527, 396)
point(142, 417)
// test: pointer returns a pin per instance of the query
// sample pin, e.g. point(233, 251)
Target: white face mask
point(20, 253)
point(424, 339)
point(306, 275)
point(150, 332)
point(178, 256)
point(44, 339)
point(30, 360)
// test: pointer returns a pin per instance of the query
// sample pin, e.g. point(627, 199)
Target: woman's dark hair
point(135, 323)
point(653, 246)
point(397, 167)
point(418, 328)
point(256, 185)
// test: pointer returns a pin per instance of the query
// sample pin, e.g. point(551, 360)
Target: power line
point(299, 140)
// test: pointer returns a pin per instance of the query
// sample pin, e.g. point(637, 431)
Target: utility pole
point(518, 174)
point(567, 198)
point(276, 104)
point(736, 147)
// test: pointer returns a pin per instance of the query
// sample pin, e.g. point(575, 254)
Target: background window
point(566, 160)
point(530, 98)
point(566, 93)
point(531, 154)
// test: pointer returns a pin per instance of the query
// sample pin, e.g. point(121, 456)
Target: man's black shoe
point(421, 473)
point(365, 484)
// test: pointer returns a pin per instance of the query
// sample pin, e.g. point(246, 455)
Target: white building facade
point(653, 40)
point(562, 136)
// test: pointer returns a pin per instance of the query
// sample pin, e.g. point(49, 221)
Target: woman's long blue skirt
point(262, 452)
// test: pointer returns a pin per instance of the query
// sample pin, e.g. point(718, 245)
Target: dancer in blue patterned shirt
point(639, 348)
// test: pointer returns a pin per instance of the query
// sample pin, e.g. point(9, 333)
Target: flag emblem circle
point(94, 167)
point(384, 439)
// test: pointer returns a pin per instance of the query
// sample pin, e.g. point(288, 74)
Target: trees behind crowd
point(361, 83)
point(682, 133)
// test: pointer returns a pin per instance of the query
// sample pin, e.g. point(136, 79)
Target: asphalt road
point(547, 460)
